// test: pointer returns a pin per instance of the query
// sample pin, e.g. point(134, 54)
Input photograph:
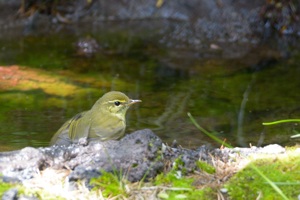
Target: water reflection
point(230, 97)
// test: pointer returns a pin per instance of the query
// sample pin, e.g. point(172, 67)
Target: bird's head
point(115, 103)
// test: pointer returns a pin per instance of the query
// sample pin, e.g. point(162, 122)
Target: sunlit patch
point(24, 79)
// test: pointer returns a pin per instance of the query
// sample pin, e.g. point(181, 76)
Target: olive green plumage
point(104, 121)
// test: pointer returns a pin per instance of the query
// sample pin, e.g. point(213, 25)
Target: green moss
point(194, 195)
point(284, 172)
point(110, 184)
point(179, 186)
point(204, 166)
point(175, 179)
point(4, 187)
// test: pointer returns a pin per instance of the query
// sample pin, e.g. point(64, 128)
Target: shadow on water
point(228, 94)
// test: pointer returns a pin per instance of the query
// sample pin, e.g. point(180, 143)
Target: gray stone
point(137, 156)
point(11, 194)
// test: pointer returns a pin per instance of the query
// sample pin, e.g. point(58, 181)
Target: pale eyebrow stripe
point(121, 101)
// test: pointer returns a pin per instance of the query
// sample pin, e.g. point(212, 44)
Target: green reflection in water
point(224, 96)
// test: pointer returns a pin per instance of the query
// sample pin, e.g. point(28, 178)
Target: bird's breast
point(107, 128)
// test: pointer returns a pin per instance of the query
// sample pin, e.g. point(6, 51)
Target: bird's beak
point(132, 101)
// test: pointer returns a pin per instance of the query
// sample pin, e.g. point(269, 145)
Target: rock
point(87, 46)
point(138, 156)
point(11, 194)
point(132, 149)
point(187, 157)
point(227, 154)
point(23, 164)
point(272, 149)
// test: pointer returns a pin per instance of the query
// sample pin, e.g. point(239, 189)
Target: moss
point(179, 186)
point(204, 166)
point(176, 186)
point(109, 184)
point(284, 172)
point(196, 194)
point(4, 187)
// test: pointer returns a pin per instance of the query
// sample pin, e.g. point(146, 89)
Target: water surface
point(228, 94)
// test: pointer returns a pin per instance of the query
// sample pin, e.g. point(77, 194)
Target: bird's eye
point(117, 103)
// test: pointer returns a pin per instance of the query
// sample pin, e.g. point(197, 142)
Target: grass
point(281, 121)
point(110, 185)
point(297, 135)
point(270, 178)
point(245, 186)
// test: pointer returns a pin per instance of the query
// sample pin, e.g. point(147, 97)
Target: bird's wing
point(67, 131)
point(75, 125)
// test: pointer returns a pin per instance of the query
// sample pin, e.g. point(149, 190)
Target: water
point(228, 95)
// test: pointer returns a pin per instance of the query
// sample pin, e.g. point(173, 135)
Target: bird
point(104, 121)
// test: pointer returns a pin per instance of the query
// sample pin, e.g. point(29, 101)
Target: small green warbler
point(104, 121)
